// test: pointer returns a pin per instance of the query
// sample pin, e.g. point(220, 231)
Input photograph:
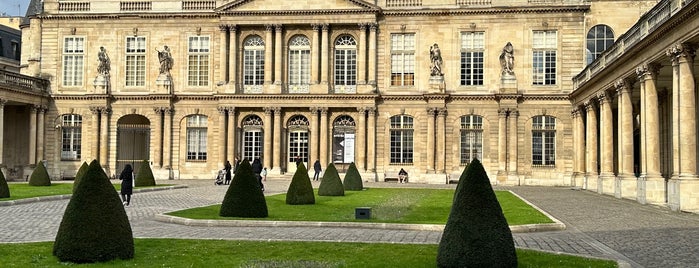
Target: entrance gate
point(133, 142)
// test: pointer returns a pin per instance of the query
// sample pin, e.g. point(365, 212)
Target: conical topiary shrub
point(145, 175)
point(4, 188)
point(39, 176)
point(244, 197)
point(353, 181)
point(476, 233)
point(79, 175)
point(300, 190)
point(330, 184)
point(95, 227)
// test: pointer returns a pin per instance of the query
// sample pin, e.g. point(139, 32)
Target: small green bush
point(476, 233)
point(244, 197)
point(145, 175)
point(79, 175)
point(353, 181)
point(94, 227)
point(4, 188)
point(330, 184)
point(40, 177)
point(300, 190)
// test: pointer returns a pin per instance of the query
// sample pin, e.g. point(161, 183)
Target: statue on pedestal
point(104, 63)
point(436, 61)
point(166, 61)
point(507, 60)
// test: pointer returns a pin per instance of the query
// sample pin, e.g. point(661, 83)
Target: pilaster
point(2, 130)
point(325, 57)
point(269, 59)
point(277, 155)
point(33, 109)
point(323, 136)
point(373, 28)
point(441, 140)
point(512, 176)
point(430, 140)
point(222, 134)
point(267, 155)
point(315, 55)
point(361, 56)
point(40, 133)
point(278, 61)
point(315, 146)
point(502, 146)
point(371, 139)
point(158, 138)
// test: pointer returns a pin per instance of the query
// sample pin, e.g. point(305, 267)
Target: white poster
point(349, 148)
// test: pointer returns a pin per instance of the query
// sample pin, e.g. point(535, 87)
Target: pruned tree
point(300, 190)
point(244, 197)
point(330, 184)
point(40, 177)
point(79, 175)
point(353, 180)
point(145, 175)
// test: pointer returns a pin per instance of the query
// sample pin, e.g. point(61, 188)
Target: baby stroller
point(220, 177)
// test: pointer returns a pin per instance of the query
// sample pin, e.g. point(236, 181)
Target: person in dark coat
point(257, 169)
point(298, 160)
point(126, 178)
point(236, 164)
point(317, 169)
point(227, 167)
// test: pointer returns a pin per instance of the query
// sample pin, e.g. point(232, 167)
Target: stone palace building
point(593, 94)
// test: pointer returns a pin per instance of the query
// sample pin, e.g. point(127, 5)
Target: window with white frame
point(543, 140)
point(544, 57)
point(135, 69)
point(253, 64)
point(471, 138)
point(252, 137)
point(403, 59)
point(345, 64)
point(196, 137)
point(472, 51)
point(401, 131)
point(71, 137)
point(198, 65)
point(73, 58)
point(599, 38)
point(299, 64)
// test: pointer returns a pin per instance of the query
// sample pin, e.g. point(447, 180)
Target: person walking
point(257, 169)
point(227, 167)
point(126, 178)
point(317, 169)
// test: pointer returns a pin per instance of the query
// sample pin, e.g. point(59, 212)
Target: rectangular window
point(543, 141)
point(196, 137)
point(71, 133)
point(73, 57)
point(544, 57)
point(472, 50)
point(135, 61)
point(401, 140)
point(402, 59)
point(198, 64)
point(299, 67)
point(252, 144)
point(471, 138)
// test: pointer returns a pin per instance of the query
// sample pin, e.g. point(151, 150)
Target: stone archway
point(133, 141)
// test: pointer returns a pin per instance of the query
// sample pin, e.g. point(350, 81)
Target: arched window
point(71, 137)
point(401, 139)
point(345, 64)
point(253, 64)
point(196, 137)
point(471, 138)
point(252, 137)
point(599, 38)
point(343, 140)
point(543, 140)
point(299, 64)
point(298, 138)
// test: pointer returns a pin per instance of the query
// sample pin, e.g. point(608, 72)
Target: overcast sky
point(10, 7)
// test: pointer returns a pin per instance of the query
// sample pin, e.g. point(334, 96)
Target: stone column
point(158, 138)
point(371, 140)
point(267, 156)
point(233, 57)
point(223, 53)
point(441, 139)
point(32, 133)
point(502, 143)
point(315, 147)
point(361, 55)
point(222, 134)
point(94, 137)
point(431, 139)
point(512, 145)
point(278, 61)
point(650, 135)
point(591, 148)
point(269, 60)
point(167, 139)
point(40, 133)
point(315, 54)
point(277, 156)
point(372, 53)
point(104, 137)
point(2, 130)
point(626, 177)
point(581, 144)
point(606, 176)
point(360, 136)
point(324, 133)
point(325, 57)
point(230, 143)
point(577, 136)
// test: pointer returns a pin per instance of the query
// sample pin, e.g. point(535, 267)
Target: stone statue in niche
point(507, 60)
point(166, 61)
point(104, 63)
point(436, 60)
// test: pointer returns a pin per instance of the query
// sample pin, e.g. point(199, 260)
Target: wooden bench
point(392, 175)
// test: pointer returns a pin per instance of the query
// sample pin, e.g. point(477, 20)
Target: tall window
point(401, 139)
point(71, 137)
point(135, 61)
point(345, 64)
point(599, 38)
point(198, 65)
point(299, 64)
point(252, 137)
point(73, 56)
point(402, 59)
point(472, 48)
point(543, 140)
point(471, 138)
point(196, 137)
point(298, 138)
point(544, 58)
point(253, 64)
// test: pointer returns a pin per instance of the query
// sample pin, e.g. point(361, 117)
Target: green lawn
point(24, 190)
point(389, 205)
point(220, 253)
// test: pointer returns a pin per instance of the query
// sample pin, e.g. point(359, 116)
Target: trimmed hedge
point(244, 197)
point(330, 184)
point(300, 190)
point(353, 181)
point(79, 175)
point(95, 227)
point(40, 177)
point(4, 188)
point(476, 233)
point(145, 175)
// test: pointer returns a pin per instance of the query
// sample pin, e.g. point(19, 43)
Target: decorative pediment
point(291, 6)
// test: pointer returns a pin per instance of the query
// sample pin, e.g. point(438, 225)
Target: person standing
point(257, 169)
point(317, 169)
point(227, 167)
point(263, 178)
point(236, 164)
point(126, 178)
point(298, 160)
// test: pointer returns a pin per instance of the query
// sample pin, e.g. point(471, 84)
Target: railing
point(23, 82)
point(473, 2)
point(73, 6)
point(198, 5)
point(403, 3)
point(252, 89)
point(345, 89)
point(136, 6)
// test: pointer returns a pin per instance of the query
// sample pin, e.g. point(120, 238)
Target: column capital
point(223, 27)
point(94, 109)
point(267, 110)
point(278, 28)
point(315, 26)
point(604, 97)
point(277, 110)
point(575, 112)
point(371, 110)
point(222, 110)
point(623, 86)
point(514, 113)
point(441, 112)
point(648, 70)
point(681, 50)
point(362, 26)
point(233, 27)
point(168, 110)
point(502, 112)
point(269, 27)
point(323, 111)
point(2, 102)
point(361, 110)
point(589, 105)
point(105, 110)
point(373, 27)
point(326, 27)
point(431, 111)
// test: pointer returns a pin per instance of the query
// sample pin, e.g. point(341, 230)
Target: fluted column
point(626, 176)
point(168, 112)
point(269, 49)
point(430, 139)
point(276, 160)
point(266, 157)
point(278, 61)
point(104, 136)
point(315, 55)
point(223, 53)
point(361, 55)
point(315, 146)
point(578, 155)
point(158, 138)
point(94, 133)
point(360, 136)
point(591, 148)
point(230, 143)
point(324, 136)
point(233, 56)
point(325, 57)
point(372, 53)
point(2, 129)
point(441, 136)
point(32, 133)
point(607, 143)
point(650, 135)
point(581, 141)
point(371, 139)
point(222, 134)
point(41, 114)
point(512, 141)
point(502, 141)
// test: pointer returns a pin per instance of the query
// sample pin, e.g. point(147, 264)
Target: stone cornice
point(371, 97)
point(232, 5)
point(499, 10)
